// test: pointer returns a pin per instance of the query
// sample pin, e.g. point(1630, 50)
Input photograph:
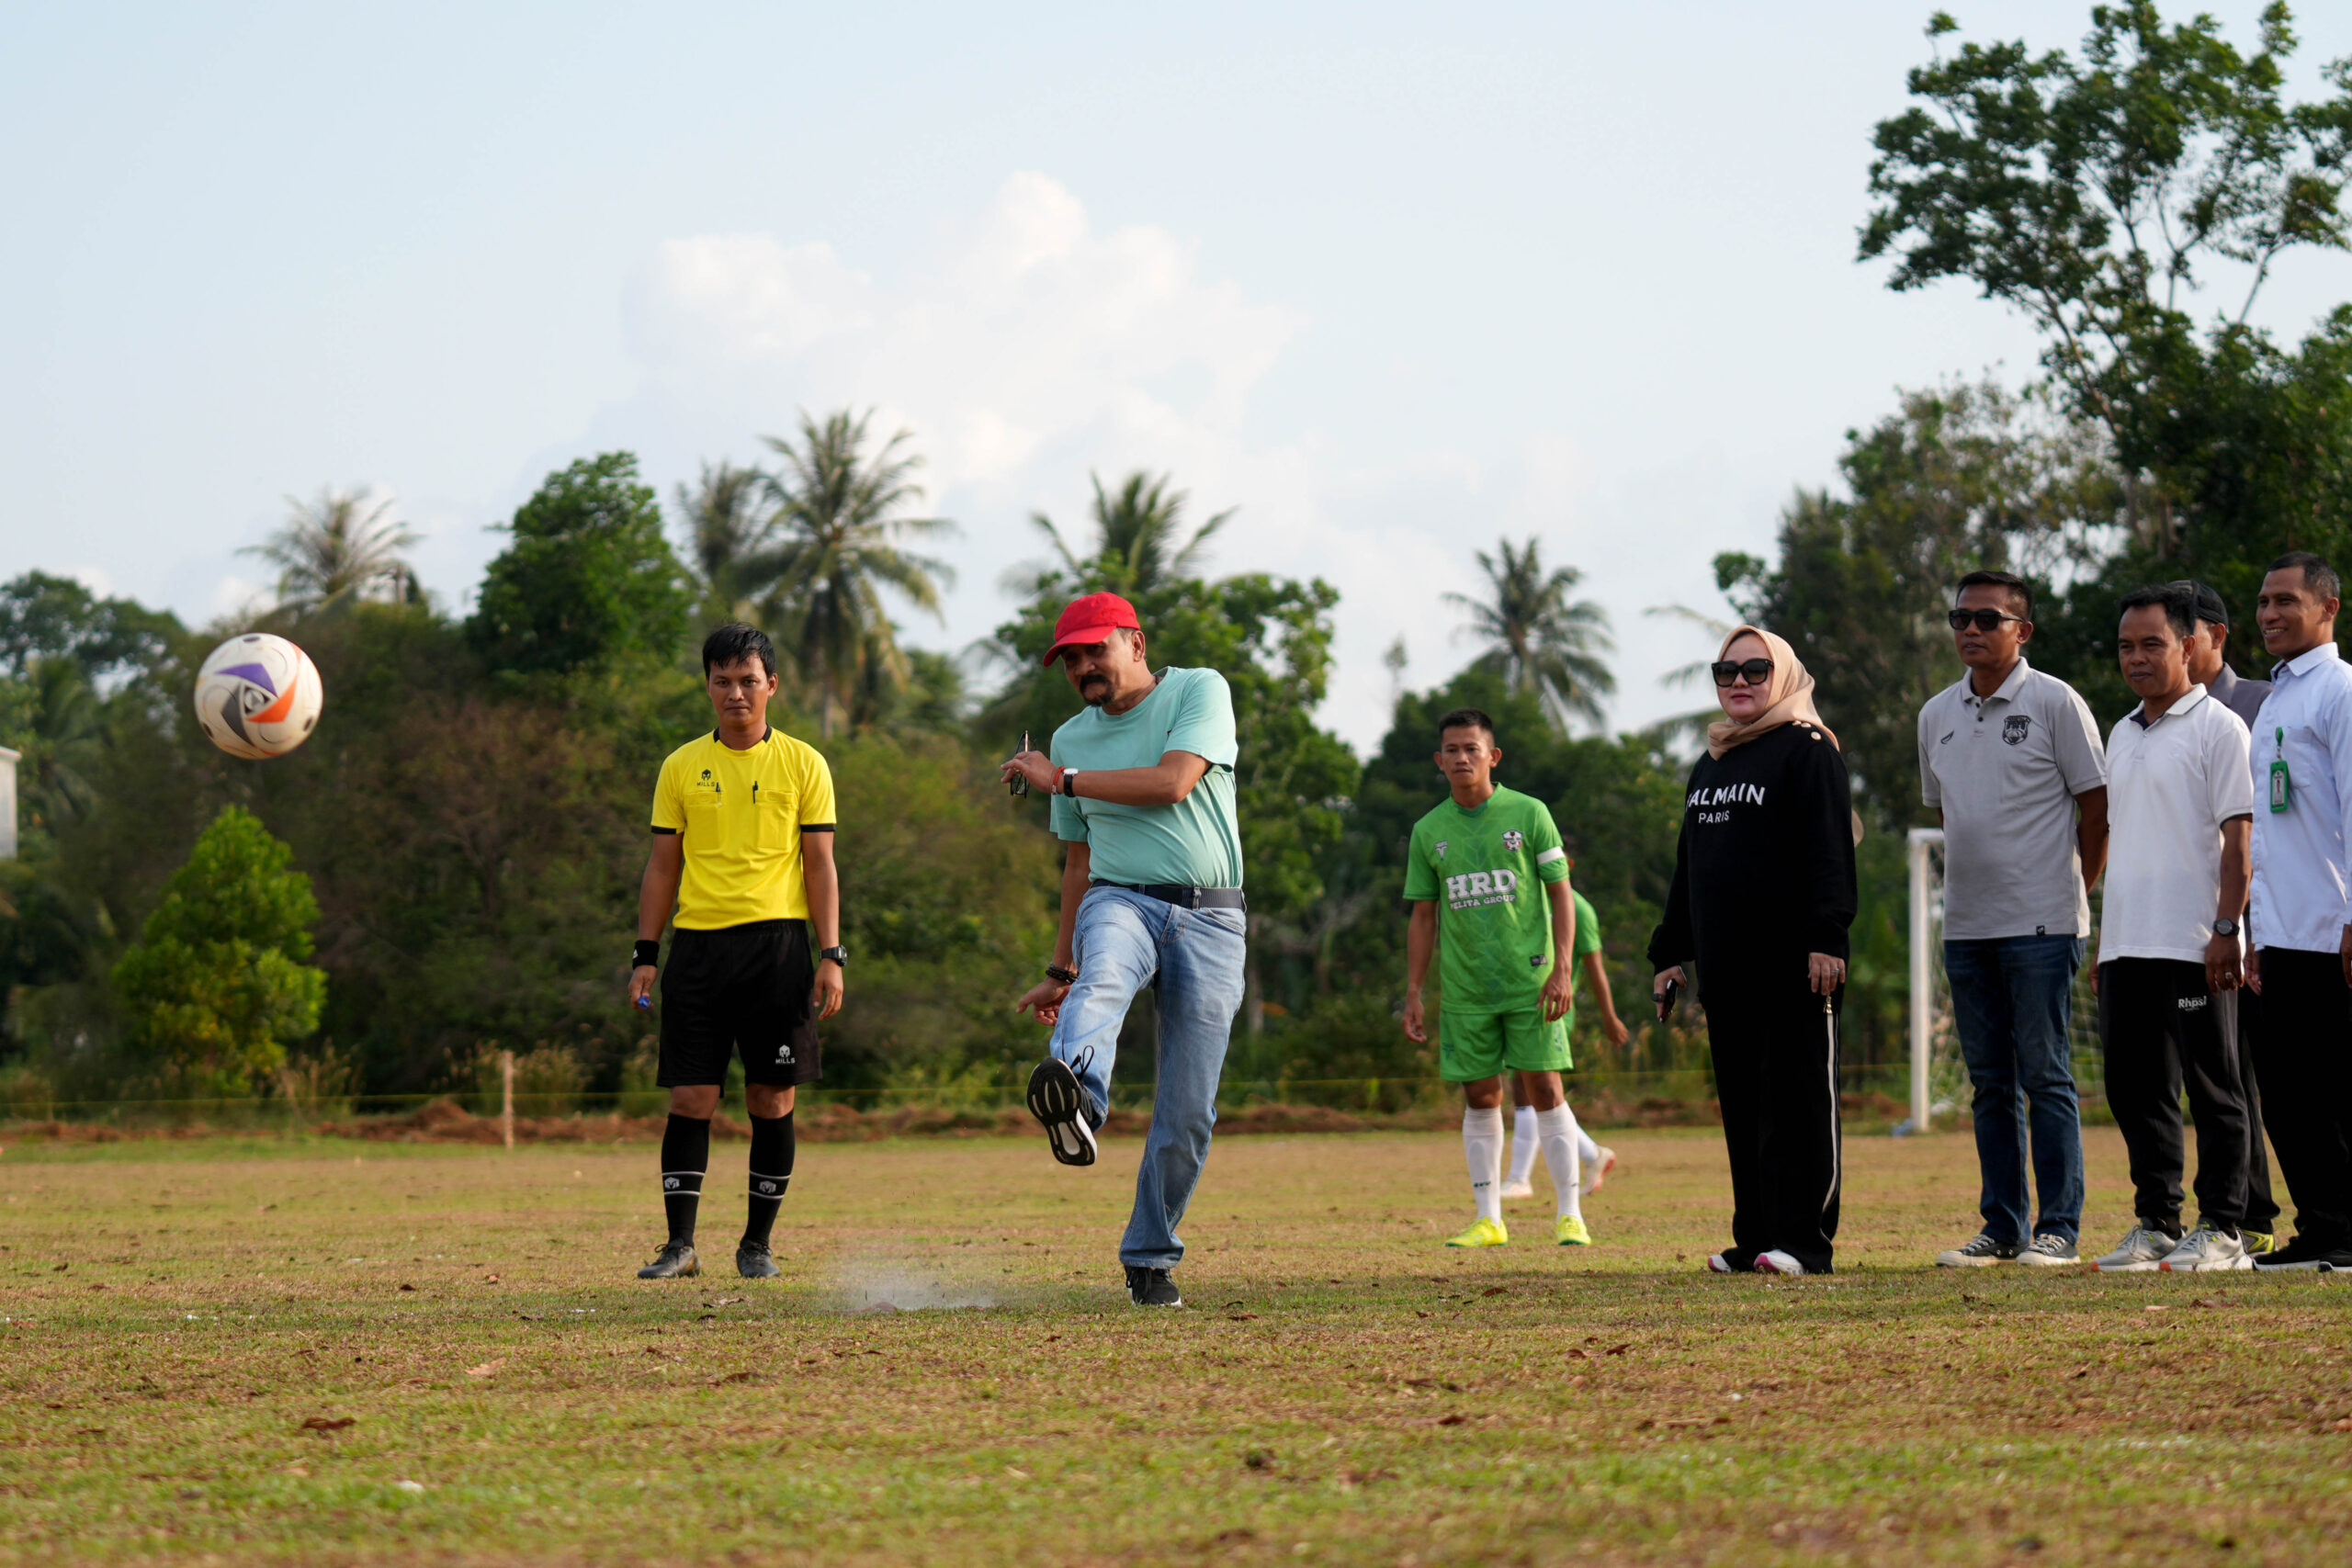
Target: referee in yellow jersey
point(743, 851)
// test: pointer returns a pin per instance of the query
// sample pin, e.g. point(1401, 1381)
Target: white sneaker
point(1981, 1253)
point(2049, 1250)
point(1518, 1189)
point(1718, 1263)
point(1596, 1172)
point(2206, 1251)
point(1777, 1262)
point(2142, 1247)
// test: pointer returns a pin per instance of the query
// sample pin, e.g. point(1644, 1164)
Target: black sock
point(772, 1152)
point(685, 1155)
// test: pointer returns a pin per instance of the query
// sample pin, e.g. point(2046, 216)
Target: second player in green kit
point(1487, 880)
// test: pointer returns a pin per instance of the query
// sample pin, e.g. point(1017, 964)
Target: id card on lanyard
point(2282, 787)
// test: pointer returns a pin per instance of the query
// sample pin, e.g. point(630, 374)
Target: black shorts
point(741, 986)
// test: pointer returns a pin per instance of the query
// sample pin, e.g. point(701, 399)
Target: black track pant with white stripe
point(1775, 1046)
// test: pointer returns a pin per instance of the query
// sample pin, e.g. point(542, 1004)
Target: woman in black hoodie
point(1763, 894)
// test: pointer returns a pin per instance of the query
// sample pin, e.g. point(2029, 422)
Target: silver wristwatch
point(2225, 927)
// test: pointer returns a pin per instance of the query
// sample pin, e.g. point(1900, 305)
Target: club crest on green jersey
point(1513, 838)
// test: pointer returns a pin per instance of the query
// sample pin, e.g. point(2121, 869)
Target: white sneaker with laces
point(1517, 1190)
point(2206, 1251)
point(2142, 1247)
point(1777, 1262)
point(1981, 1253)
point(2049, 1250)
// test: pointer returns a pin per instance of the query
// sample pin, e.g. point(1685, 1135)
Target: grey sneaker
point(2049, 1250)
point(1981, 1253)
point(754, 1260)
point(2142, 1247)
point(2206, 1251)
point(676, 1260)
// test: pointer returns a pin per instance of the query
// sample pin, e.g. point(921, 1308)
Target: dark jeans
point(2012, 999)
point(1775, 1049)
point(2261, 1205)
point(2305, 1054)
point(2160, 1026)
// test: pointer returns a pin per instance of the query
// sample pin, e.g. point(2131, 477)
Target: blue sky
point(1391, 279)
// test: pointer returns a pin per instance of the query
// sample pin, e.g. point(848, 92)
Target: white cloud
point(234, 596)
point(94, 579)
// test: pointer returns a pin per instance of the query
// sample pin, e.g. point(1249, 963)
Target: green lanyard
point(2282, 789)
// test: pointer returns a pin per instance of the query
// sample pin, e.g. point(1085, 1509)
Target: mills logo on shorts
point(2015, 726)
point(783, 1056)
point(1513, 838)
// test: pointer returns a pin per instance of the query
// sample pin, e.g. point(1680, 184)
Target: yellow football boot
point(1482, 1233)
point(1569, 1231)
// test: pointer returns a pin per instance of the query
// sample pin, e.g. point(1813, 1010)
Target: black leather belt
point(1186, 898)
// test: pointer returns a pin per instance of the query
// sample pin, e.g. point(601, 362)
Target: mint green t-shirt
point(1486, 871)
point(1195, 842)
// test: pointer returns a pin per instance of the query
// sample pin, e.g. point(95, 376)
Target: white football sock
point(1482, 1143)
point(1522, 1146)
point(1558, 1128)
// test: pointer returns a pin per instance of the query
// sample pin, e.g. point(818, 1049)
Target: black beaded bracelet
point(647, 956)
point(1061, 977)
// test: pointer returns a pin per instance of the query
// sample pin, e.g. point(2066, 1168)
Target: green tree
point(1538, 639)
point(727, 523)
point(215, 987)
point(1136, 531)
point(588, 579)
point(339, 546)
point(841, 540)
point(42, 617)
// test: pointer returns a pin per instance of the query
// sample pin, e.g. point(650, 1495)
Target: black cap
point(2209, 607)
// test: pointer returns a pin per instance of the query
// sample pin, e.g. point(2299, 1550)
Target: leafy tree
point(1957, 478)
point(1136, 536)
point(841, 540)
point(1539, 639)
point(215, 985)
point(43, 616)
point(727, 523)
point(339, 546)
point(589, 578)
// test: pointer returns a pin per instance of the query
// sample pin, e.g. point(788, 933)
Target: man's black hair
point(2318, 576)
point(2178, 601)
point(2021, 594)
point(1466, 718)
point(2211, 608)
point(734, 642)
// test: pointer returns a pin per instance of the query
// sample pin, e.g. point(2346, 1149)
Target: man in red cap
point(1142, 788)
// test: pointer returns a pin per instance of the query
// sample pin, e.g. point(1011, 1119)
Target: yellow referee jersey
point(740, 815)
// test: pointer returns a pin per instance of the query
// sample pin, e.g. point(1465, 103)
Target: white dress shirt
point(2300, 879)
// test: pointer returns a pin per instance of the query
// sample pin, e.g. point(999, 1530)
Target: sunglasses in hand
point(1758, 671)
point(1986, 620)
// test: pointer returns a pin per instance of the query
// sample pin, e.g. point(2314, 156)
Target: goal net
point(1939, 1086)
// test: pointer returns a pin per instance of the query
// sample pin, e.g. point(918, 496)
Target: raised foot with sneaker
point(1569, 1231)
point(1982, 1253)
point(1058, 1102)
point(755, 1261)
point(2207, 1250)
point(2142, 1247)
point(1483, 1232)
point(1152, 1288)
point(676, 1260)
point(1596, 1172)
point(1517, 1190)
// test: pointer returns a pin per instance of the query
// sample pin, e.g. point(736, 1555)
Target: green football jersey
point(1485, 870)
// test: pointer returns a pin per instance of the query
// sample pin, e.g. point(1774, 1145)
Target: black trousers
point(2304, 1051)
point(1775, 1047)
point(2261, 1204)
point(2159, 1027)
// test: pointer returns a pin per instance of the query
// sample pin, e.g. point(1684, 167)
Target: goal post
point(1926, 911)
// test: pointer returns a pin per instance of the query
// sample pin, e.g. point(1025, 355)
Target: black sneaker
point(754, 1261)
point(677, 1261)
point(2305, 1252)
point(1152, 1288)
point(1058, 1101)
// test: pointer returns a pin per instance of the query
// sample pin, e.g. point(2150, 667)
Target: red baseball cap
point(1092, 619)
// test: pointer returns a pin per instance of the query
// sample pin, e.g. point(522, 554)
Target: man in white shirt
point(2179, 815)
point(2302, 772)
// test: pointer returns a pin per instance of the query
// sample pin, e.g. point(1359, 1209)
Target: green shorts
point(1477, 1045)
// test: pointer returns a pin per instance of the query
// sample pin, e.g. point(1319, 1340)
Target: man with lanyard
point(2209, 666)
point(1141, 783)
point(743, 850)
point(2302, 929)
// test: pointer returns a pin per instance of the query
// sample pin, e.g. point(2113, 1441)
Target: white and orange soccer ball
point(258, 696)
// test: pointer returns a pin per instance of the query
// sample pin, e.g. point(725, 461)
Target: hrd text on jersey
point(1473, 889)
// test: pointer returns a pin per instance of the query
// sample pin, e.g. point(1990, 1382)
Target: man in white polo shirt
point(2011, 762)
point(2179, 815)
point(2301, 769)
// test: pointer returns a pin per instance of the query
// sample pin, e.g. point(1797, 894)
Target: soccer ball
point(258, 696)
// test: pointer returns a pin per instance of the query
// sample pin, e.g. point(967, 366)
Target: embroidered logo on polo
point(2193, 1004)
point(2015, 728)
point(1440, 848)
point(1474, 888)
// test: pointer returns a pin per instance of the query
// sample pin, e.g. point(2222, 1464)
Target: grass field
point(179, 1319)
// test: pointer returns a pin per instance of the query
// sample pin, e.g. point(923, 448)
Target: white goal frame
point(1927, 922)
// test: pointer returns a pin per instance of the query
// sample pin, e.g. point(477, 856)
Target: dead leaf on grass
point(731, 1377)
point(532, 1316)
point(1451, 1420)
point(329, 1423)
point(2155, 1309)
point(486, 1368)
point(1241, 1317)
point(408, 1287)
point(1619, 1349)
point(1577, 1354)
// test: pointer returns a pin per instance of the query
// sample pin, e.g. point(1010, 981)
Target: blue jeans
point(2012, 999)
point(1193, 961)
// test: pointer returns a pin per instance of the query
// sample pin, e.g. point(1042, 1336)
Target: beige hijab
point(1788, 699)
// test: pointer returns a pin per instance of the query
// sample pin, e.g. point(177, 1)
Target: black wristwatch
point(2225, 927)
point(1061, 977)
point(838, 955)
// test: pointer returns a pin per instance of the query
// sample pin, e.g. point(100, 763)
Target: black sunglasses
point(1758, 671)
point(1986, 620)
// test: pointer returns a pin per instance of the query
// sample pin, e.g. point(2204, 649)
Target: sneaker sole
point(2145, 1265)
point(1057, 1102)
point(2312, 1265)
point(2225, 1266)
point(690, 1270)
point(2035, 1260)
point(1949, 1261)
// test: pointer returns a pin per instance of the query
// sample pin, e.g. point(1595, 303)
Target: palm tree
point(727, 524)
point(839, 543)
point(339, 546)
point(1668, 734)
point(1540, 641)
point(1136, 533)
